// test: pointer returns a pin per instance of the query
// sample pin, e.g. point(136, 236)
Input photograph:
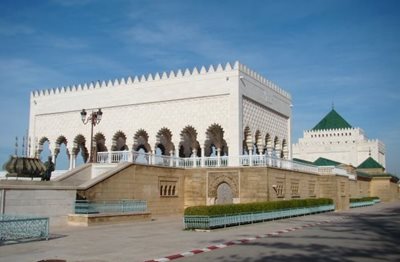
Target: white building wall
point(174, 115)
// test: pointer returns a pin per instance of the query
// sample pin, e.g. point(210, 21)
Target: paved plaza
point(370, 232)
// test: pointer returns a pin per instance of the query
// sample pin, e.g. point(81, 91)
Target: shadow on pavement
point(360, 237)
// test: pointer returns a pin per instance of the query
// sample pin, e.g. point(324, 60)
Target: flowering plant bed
point(209, 217)
point(364, 201)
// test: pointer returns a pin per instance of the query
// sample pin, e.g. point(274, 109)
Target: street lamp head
point(94, 118)
point(83, 115)
point(99, 114)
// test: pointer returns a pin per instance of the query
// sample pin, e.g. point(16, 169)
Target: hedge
point(232, 209)
point(362, 199)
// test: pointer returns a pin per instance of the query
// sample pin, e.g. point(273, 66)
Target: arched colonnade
point(258, 143)
point(186, 144)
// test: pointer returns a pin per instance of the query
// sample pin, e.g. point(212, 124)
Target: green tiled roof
point(370, 163)
point(303, 161)
point(325, 162)
point(332, 121)
point(319, 162)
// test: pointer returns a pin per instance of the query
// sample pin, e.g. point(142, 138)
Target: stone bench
point(107, 218)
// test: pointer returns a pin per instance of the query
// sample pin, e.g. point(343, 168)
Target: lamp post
point(94, 118)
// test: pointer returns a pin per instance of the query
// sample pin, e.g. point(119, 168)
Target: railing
point(160, 160)
point(332, 170)
point(376, 201)
point(15, 227)
point(210, 222)
point(362, 204)
point(191, 162)
point(109, 206)
point(222, 161)
point(326, 170)
point(263, 160)
point(214, 161)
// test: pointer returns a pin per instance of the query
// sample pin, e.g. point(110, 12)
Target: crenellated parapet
point(164, 76)
point(331, 130)
point(329, 133)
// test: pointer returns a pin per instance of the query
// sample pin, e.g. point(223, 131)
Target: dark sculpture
point(49, 167)
point(24, 167)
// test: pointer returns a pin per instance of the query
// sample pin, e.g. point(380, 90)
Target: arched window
point(164, 137)
point(215, 137)
point(188, 143)
point(168, 188)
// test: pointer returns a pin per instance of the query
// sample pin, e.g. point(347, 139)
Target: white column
point(175, 154)
point(260, 149)
point(285, 154)
point(218, 157)
point(278, 156)
point(194, 152)
point(71, 161)
point(54, 149)
point(53, 159)
point(152, 159)
point(171, 159)
point(202, 155)
point(250, 148)
point(109, 156)
point(177, 157)
point(269, 155)
point(130, 159)
point(260, 153)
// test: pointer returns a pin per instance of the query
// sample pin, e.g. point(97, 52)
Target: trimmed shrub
point(362, 199)
point(231, 209)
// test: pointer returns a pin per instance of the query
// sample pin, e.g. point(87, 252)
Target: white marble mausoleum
point(335, 139)
point(216, 111)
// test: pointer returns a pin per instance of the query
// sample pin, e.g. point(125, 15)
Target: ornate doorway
point(224, 194)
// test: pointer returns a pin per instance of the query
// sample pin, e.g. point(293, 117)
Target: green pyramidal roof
point(370, 163)
point(332, 121)
point(325, 162)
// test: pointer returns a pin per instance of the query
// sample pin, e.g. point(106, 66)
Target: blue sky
point(321, 51)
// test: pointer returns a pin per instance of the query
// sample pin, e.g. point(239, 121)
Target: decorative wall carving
point(217, 178)
point(260, 118)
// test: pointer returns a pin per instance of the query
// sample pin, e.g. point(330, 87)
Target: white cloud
point(7, 29)
point(62, 42)
point(25, 74)
point(163, 40)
